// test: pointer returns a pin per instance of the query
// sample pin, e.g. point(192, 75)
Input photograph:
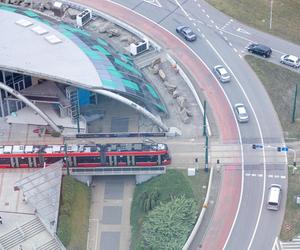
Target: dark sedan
point(186, 33)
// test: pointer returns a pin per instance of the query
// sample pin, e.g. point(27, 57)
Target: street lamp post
point(271, 14)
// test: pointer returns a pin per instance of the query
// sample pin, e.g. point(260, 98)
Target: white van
point(274, 197)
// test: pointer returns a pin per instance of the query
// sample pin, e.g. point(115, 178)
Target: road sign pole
point(295, 102)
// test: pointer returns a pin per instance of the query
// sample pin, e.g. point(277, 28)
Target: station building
point(62, 72)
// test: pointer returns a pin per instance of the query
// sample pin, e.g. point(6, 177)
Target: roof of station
point(39, 45)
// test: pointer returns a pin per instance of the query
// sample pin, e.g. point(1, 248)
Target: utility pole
point(66, 159)
point(295, 102)
point(206, 153)
point(271, 14)
point(204, 118)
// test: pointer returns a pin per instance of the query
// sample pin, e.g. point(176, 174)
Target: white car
point(222, 74)
point(290, 60)
point(241, 112)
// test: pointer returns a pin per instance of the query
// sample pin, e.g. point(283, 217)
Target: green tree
point(149, 200)
point(167, 226)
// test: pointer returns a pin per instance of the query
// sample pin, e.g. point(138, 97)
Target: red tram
point(97, 155)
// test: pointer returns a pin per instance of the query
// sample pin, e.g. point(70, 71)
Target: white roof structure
point(51, 54)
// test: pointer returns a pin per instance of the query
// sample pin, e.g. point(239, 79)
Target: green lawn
point(280, 84)
point(291, 223)
point(174, 183)
point(74, 214)
point(286, 17)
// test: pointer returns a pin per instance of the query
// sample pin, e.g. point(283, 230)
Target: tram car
point(96, 155)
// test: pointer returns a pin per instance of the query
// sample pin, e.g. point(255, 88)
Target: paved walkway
point(109, 227)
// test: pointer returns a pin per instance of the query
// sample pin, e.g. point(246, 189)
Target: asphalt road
point(254, 227)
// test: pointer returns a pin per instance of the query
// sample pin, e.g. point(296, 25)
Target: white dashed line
point(270, 176)
point(194, 24)
point(260, 175)
point(203, 35)
point(226, 39)
point(198, 29)
point(253, 175)
point(199, 5)
point(276, 176)
point(207, 16)
point(247, 174)
point(212, 21)
point(230, 44)
point(217, 27)
point(282, 177)
point(203, 10)
point(235, 50)
point(240, 56)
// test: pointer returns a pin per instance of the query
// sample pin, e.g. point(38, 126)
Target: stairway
point(50, 245)
point(22, 233)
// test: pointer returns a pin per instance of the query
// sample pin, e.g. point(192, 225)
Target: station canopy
point(35, 44)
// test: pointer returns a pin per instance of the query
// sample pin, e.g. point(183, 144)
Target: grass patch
point(174, 183)
point(286, 18)
point(74, 214)
point(291, 223)
point(280, 82)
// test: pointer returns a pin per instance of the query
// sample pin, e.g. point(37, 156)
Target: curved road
point(240, 220)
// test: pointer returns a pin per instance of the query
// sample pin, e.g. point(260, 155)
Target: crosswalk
point(289, 245)
point(269, 175)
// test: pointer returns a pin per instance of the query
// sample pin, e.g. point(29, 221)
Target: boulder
point(176, 93)
point(181, 101)
point(155, 62)
point(155, 69)
point(162, 75)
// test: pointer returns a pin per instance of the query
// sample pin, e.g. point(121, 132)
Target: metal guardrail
point(119, 135)
point(118, 170)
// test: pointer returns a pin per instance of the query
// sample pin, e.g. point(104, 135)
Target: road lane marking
point(212, 21)
point(243, 31)
point(263, 154)
point(207, 16)
point(230, 44)
point(270, 176)
point(154, 2)
point(235, 50)
point(282, 177)
point(260, 175)
point(203, 10)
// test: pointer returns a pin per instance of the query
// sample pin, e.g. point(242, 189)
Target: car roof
point(241, 108)
point(222, 71)
point(264, 47)
point(274, 193)
point(293, 58)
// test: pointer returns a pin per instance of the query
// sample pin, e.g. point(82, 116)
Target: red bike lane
point(227, 204)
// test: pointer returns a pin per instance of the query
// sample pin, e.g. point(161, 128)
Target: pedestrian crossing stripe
point(269, 176)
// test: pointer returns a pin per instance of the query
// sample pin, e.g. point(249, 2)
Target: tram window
point(4, 160)
point(51, 160)
point(165, 157)
point(88, 159)
point(146, 158)
point(23, 160)
point(122, 159)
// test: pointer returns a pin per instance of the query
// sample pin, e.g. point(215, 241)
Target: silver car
point(241, 112)
point(290, 60)
point(187, 33)
point(222, 73)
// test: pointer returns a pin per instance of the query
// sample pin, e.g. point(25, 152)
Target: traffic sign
point(255, 146)
point(282, 149)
